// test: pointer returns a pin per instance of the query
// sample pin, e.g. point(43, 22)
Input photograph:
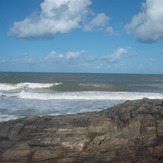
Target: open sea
point(25, 94)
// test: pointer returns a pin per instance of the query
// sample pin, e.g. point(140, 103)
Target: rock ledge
point(130, 132)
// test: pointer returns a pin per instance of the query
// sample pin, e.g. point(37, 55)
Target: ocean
point(25, 94)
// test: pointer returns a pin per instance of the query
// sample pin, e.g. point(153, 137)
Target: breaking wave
point(90, 95)
point(8, 86)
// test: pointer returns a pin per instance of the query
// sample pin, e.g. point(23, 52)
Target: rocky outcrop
point(130, 132)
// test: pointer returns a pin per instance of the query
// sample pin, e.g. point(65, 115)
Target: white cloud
point(53, 56)
point(57, 16)
point(76, 57)
point(147, 26)
point(60, 58)
point(115, 57)
point(110, 30)
point(100, 20)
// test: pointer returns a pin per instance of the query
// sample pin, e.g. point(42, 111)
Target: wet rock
point(130, 132)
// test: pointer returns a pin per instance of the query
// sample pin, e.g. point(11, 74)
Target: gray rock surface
point(130, 132)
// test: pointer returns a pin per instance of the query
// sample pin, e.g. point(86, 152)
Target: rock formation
point(130, 132)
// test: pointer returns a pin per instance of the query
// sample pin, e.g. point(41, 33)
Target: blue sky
point(99, 36)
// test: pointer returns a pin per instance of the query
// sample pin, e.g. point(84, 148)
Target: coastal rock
point(130, 132)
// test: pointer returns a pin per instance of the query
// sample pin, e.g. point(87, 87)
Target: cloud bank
point(58, 16)
point(68, 58)
point(147, 26)
point(63, 58)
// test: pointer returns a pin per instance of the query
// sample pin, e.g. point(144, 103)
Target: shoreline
point(131, 131)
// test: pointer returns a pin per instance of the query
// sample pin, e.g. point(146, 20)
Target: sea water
point(25, 94)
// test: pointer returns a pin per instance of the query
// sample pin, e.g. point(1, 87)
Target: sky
point(88, 36)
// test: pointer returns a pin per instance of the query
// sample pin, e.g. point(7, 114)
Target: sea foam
point(90, 95)
point(6, 117)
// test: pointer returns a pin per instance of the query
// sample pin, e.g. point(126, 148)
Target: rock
point(66, 160)
point(19, 153)
point(130, 132)
point(99, 139)
point(41, 155)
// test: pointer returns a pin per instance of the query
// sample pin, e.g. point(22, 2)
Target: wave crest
point(8, 86)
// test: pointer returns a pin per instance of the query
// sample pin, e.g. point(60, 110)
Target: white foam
point(8, 86)
point(94, 85)
point(92, 95)
point(37, 85)
point(9, 95)
point(7, 117)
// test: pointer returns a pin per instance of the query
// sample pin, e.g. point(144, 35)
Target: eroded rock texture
point(130, 132)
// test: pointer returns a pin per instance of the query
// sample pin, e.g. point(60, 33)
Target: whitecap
point(9, 86)
point(90, 95)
